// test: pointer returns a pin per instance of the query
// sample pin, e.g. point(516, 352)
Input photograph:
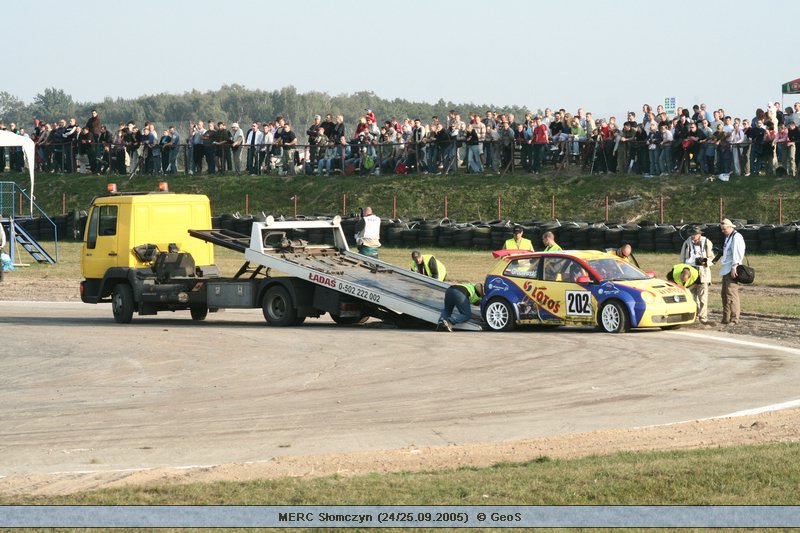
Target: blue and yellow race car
point(580, 288)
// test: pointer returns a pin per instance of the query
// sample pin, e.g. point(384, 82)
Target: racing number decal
point(579, 303)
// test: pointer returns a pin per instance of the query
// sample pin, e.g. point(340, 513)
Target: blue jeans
point(455, 298)
point(654, 157)
point(433, 158)
point(474, 158)
point(664, 159)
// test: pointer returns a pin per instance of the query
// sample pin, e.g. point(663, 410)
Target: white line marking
point(766, 409)
point(740, 342)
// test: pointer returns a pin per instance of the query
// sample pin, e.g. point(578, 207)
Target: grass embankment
point(468, 265)
point(578, 196)
point(730, 476)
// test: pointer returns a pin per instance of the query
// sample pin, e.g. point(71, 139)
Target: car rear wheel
point(278, 307)
point(499, 315)
point(614, 317)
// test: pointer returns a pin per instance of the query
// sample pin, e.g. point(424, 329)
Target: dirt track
point(460, 448)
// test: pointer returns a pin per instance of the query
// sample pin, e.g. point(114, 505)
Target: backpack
point(369, 162)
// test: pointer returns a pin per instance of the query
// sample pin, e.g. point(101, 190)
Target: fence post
point(499, 208)
point(445, 206)
point(721, 208)
point(246, 204)
point(394, 207)
point(344, 204)
point(63, 203)
point(295, 206)
point(553, 207)
point(661, 208)
point(780, 209)
point(606, 209)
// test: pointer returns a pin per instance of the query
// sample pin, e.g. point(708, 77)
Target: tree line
point(230, 103)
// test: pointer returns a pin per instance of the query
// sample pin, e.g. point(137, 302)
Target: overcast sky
point(604, 56)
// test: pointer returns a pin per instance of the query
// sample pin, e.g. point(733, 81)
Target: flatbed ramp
point(334, 266)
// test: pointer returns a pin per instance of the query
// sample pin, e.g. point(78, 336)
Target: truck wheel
point(198, 311)
point(499, 315)
point(348, 320)
point(278, 307)
point(122, 303)
point(614, 317)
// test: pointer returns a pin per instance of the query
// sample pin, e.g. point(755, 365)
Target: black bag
point(745, 274)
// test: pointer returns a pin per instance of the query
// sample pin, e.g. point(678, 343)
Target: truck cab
point(126, 232)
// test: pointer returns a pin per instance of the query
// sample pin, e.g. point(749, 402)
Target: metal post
point(553, 208)
point(344, 204)
point(445, 206)
point(661, 207)
point(63, 203)
point(295, 206)
point(780, 209)
point(20, 203)
point(246, 204)
point(499, 205)
point(606, 208)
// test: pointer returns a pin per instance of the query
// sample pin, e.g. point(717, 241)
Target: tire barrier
point(645, 236)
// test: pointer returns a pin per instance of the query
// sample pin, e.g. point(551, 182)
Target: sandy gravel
point(771, 427)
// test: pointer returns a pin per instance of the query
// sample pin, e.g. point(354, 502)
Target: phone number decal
point(358, 292)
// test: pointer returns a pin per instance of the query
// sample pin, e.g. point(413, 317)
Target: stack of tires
point(482, 236)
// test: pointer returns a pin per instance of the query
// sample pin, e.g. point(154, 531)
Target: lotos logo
point(317, 278)
point(539, 295)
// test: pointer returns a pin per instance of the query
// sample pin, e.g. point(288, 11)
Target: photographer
point(698, 252)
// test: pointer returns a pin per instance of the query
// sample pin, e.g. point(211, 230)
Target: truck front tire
point(279, 308)
point(122, 303)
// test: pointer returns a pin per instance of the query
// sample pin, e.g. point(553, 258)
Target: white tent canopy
point(8, 138)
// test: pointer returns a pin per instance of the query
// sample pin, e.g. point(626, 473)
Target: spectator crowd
point(692, 140)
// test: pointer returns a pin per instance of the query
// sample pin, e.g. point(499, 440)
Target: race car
point(580, 288)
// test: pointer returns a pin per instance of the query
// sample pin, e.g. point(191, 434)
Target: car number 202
point(579, 303)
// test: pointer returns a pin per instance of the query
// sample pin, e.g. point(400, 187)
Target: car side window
point(523, 268)
point(562, 269)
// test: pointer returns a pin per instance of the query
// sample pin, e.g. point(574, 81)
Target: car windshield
point(615, 269)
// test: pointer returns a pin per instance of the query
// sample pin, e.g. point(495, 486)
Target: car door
point(560, 297)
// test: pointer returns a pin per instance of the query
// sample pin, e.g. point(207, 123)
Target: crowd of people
point(653, 143)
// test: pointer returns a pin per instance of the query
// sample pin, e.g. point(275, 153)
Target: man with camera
point(732, 256)
point(698, 251)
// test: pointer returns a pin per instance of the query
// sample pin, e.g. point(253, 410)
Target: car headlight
point(648, 297)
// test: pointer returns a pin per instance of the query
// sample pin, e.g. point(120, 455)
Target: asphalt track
point(79, 392)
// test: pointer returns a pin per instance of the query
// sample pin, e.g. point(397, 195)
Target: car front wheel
point(614, 317)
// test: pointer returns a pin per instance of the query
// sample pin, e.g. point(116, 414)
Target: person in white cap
point(732, 256)
point(237, 140)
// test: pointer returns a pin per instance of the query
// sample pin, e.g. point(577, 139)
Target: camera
point(701, 261)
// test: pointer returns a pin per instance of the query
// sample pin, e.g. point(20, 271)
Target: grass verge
point(744, 475)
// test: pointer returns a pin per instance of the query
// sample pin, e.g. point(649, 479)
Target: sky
point(605, 56)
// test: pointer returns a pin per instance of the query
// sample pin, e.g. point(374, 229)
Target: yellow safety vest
point(426, 267)
point(524, 244)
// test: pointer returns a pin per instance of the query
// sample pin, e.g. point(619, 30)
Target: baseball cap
point(696, 230)
point(517, 229)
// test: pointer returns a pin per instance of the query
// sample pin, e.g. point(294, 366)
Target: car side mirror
point(583, 279)
point(650, 274)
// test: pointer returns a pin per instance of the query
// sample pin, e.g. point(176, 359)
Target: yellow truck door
point(101, 247)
